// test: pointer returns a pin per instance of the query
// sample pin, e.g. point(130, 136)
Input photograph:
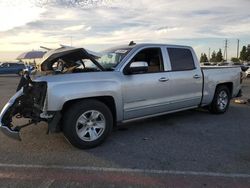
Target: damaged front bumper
point(26, 103)
point(6, 127)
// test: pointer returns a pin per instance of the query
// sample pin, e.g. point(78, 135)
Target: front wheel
point(220, 101)
point(87, 123)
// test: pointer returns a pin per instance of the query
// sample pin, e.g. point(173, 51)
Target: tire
point(220, 101)
point(86, 124)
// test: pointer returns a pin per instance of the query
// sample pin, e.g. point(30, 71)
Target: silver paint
point(142, 95)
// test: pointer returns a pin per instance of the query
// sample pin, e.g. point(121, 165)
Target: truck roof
point(147, 44)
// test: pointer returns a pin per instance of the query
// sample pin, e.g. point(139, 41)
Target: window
point(181, 59)
point(111, 58)
point(153, 57)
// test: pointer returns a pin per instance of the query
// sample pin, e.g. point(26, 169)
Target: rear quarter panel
point(214, 76)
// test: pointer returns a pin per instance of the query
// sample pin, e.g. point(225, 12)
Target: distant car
point(246, 63)
point(205, 64)
point(248, 72)
point(224, 64)
point(12, 68)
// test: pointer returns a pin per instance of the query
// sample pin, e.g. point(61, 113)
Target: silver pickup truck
point(85, 96)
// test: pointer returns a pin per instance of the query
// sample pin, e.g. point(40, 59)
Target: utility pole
point(225, 50)
point(238, 44)
point(209, 55)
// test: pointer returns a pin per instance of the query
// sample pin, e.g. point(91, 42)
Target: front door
point(146, 93)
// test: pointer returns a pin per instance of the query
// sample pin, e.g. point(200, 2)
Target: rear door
point(185, 78)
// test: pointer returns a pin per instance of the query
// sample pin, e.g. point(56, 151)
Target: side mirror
point(137, 67)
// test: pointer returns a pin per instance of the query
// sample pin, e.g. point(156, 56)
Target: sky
point(100, 24)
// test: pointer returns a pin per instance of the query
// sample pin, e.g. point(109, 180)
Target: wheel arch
point(229, 85)
point(214, 106)
point(109, 101)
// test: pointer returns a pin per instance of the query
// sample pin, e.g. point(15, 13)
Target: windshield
point(111, 58)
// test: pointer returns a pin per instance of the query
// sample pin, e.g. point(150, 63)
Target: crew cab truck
point(86, 96)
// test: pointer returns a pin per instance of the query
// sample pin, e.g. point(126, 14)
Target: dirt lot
point(186, 149)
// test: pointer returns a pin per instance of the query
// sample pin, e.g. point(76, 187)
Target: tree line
point(218, 57)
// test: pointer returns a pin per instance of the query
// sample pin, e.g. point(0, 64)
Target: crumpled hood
point(69, 54)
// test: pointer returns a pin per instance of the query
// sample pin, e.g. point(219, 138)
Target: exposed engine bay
point(30, 100)
point(68, 60)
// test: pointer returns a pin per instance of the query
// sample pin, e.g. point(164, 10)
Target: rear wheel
point(87, 123)
point(220, 101)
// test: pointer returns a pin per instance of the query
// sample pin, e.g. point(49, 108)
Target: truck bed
point(214, 75)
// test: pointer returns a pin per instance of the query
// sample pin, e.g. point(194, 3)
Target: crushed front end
point(28, 102)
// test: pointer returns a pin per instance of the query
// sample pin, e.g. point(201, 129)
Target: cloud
point(74, 28)
point(85, 4)
point(17, 13)
point(167, 29)
point(101, 23)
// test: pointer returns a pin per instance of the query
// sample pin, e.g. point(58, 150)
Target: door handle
point(196, 76)
point(163, 79)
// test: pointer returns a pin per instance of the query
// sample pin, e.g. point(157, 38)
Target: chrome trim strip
point(158, 114)
point(159, 104)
